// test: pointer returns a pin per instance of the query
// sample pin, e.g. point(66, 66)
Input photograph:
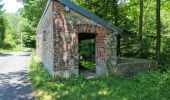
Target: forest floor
point(14, 84)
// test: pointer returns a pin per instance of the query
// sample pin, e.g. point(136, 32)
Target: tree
point(14, 30)
point(158, 31)
point(33, 10)
point(2, 23)
point(141, 26)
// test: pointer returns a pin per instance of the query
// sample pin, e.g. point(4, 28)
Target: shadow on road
point(5, 55)
point(16, 54)
point(15, 86)
point(25, 54)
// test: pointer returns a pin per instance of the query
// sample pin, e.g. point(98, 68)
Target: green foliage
point(165, 54)
point(4, 51)
point(2, 24)
point(14, 34)
point(130, 44)
point(149, 86)
point(87, 47)
point(33, 10)
point(38, 80)
point(157, 82)
point(89, 65)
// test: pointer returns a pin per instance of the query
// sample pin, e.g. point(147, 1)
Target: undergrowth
point(149, 86)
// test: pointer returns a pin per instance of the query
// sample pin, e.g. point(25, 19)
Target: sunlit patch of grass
point(89, 65)
point(43, 95)
point(104, 92)
point(3, 51)
point(150, 86)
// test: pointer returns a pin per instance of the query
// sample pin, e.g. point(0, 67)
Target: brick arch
point(89, 28)
point(86, 28)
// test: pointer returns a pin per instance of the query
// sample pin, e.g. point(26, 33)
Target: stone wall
point(127, 67)
point(67, 26)
point(57, 41)
point(45, 46)
point(110, 48)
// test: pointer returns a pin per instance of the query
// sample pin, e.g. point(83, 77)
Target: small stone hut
point(62, 25)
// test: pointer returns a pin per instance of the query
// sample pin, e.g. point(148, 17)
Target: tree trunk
point(118, 44)
point(141, 26)
point(158, 31)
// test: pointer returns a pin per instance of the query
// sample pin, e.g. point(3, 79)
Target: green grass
point(3, 51)
point(149, 86)
point(89, 65)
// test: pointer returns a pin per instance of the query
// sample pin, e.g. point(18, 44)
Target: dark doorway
point(87, 53)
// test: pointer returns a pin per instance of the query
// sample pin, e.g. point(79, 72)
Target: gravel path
point(14, 84)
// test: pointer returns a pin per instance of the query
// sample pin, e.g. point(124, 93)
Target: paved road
point(14, 84)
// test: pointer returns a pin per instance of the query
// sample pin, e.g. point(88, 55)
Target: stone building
point(62, 25)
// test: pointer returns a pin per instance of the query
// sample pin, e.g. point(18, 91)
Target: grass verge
point(3, 51)
point(149, 86)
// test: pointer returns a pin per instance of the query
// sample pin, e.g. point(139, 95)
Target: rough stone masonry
point(58, 34)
